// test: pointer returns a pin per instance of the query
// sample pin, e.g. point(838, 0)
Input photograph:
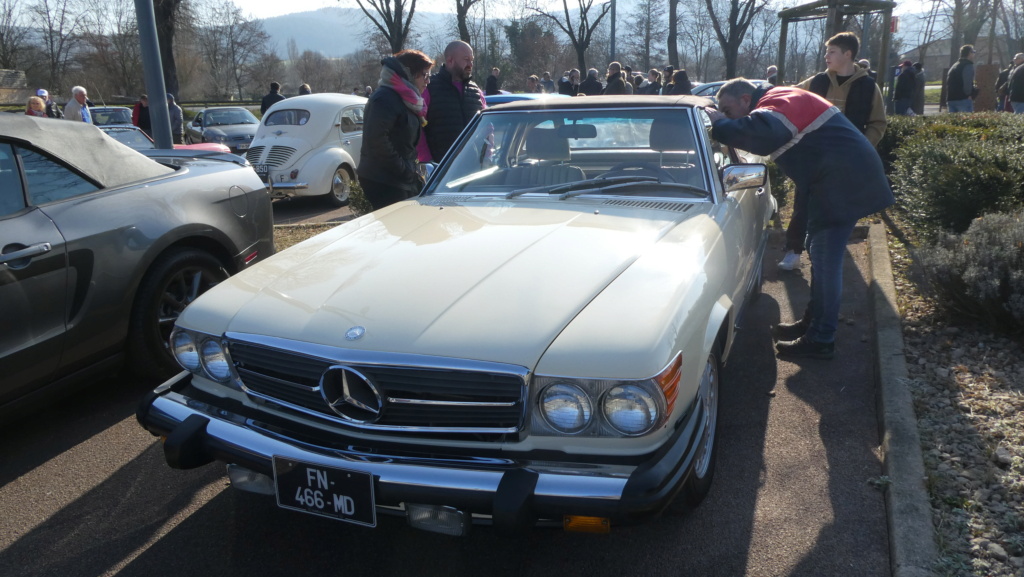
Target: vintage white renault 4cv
point(309, 146)
point(536, 339)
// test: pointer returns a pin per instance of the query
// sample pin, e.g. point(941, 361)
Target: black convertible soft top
point(83, 147)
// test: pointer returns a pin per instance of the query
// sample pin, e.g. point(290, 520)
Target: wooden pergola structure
point(834, 12)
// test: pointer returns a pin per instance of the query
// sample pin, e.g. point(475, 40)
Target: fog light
point(250, 481)
point(438, 519)
point(580, 524)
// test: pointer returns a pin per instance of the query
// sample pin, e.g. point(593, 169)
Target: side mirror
point(426, 169)
point(198, 121)
point(741, 176)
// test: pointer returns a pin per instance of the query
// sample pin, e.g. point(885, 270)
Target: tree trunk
point(166, 15)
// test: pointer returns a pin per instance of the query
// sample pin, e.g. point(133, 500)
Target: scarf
point(391, 78)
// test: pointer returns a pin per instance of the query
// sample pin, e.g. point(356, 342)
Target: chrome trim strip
point(342, 356)
point(400, 401)
point(292, 384)
point(605, 483)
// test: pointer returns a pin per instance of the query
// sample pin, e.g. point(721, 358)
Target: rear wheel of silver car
point(341, 186)
point(176, 279)
point(699, 483)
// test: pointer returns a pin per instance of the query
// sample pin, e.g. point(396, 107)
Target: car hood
point(493, 282)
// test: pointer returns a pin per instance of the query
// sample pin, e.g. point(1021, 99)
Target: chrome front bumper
point(515, 492)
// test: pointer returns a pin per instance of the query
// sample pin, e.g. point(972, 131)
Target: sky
point(271, 8)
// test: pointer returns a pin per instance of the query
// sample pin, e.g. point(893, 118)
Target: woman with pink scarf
point(392, 120)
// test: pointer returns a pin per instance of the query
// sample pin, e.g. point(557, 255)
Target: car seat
point(550, 153)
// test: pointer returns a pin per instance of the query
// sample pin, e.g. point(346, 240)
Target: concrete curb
point(912, 548)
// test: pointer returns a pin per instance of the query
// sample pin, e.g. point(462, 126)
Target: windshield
point(228, 117)
point(569, 153)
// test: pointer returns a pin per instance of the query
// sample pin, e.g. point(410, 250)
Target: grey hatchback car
point(101, 247)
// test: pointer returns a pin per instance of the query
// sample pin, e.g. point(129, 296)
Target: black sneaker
point(806, 348)
point(790, 331)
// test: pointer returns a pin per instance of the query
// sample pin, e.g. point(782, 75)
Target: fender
point(719, 316)
point(318, 170)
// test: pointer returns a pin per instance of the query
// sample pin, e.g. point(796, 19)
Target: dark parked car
point(102, 247)
point(232, 126)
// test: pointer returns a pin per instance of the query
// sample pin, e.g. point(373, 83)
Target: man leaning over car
point(839, 179)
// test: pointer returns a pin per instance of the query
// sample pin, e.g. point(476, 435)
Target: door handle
point(26, 253)
point(346, 142)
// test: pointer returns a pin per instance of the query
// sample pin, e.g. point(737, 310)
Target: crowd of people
point(77, 109)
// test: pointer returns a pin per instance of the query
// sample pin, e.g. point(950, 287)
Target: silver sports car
point(102, 247)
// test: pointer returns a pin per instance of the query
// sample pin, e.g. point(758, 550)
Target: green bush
point(946, 176)
point(981, 272)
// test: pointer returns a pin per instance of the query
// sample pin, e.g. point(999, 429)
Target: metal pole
point(781, 64)
point(153, 71)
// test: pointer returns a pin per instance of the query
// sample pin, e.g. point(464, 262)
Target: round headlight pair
point(629, 409)
point(210, 355)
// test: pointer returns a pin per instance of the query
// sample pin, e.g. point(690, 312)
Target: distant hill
point(334, 32)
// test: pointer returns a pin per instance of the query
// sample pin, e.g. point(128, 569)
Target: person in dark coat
point(680, 83)
point(616, 84)
point(452, 99)
point(140, 115)
point(903, 94)
point(960, 87)
point(1015, 85)
point(653, 84)
point(272, 97)
point(52, 110)
point(839, 179)
point(569, 85)
point(591, 86)
point(493, 85)
point(392, 120)
point(772, 74)
point(1002, 87)
point(919, 87)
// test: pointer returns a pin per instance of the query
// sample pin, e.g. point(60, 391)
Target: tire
point(173, 281)
point(341, 187)
point(698, 484)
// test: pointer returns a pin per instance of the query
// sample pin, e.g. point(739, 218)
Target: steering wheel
point(643, 168)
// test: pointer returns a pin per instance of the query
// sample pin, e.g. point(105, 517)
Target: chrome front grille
point(426, 398)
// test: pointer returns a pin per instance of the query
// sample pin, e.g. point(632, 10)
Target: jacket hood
point(447, 282)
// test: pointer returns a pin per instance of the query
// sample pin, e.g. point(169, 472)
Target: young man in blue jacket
point(839, 179)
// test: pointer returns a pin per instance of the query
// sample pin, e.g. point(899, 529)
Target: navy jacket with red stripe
point(836, 170)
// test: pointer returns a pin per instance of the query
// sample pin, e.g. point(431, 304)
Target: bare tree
point(698, 40)
point(580, 33)
point(731, 22)
point(59, 22)
point(14, 38)
point(462, 18)
point(966, 19)
point(114, 53)
point(646, 25)
point(230, 48)
point(391, 19)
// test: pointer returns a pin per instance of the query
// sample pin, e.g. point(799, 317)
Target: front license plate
point(336, 493)
point(243, 145)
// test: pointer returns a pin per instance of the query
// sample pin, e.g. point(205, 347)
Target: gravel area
point(968, 389)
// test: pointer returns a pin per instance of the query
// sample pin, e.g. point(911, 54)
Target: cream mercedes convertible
point(535, 340)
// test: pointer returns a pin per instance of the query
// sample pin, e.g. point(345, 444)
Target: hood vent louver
point(651, 204)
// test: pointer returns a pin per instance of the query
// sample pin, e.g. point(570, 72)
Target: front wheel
point(341, 187)
point(175, 280)
point(703, 469)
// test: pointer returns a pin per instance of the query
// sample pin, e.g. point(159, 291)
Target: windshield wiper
point(646, 182)
point(590, 183)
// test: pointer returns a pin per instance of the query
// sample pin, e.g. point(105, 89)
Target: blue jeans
point(965, 105)
point(827, 248)
point(902, 106)
point(1018, 107)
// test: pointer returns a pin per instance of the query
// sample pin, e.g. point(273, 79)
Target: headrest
point(543, 144)
point(671, 134)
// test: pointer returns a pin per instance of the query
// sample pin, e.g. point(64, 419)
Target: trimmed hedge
point(948, 170)
point(981, 273)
